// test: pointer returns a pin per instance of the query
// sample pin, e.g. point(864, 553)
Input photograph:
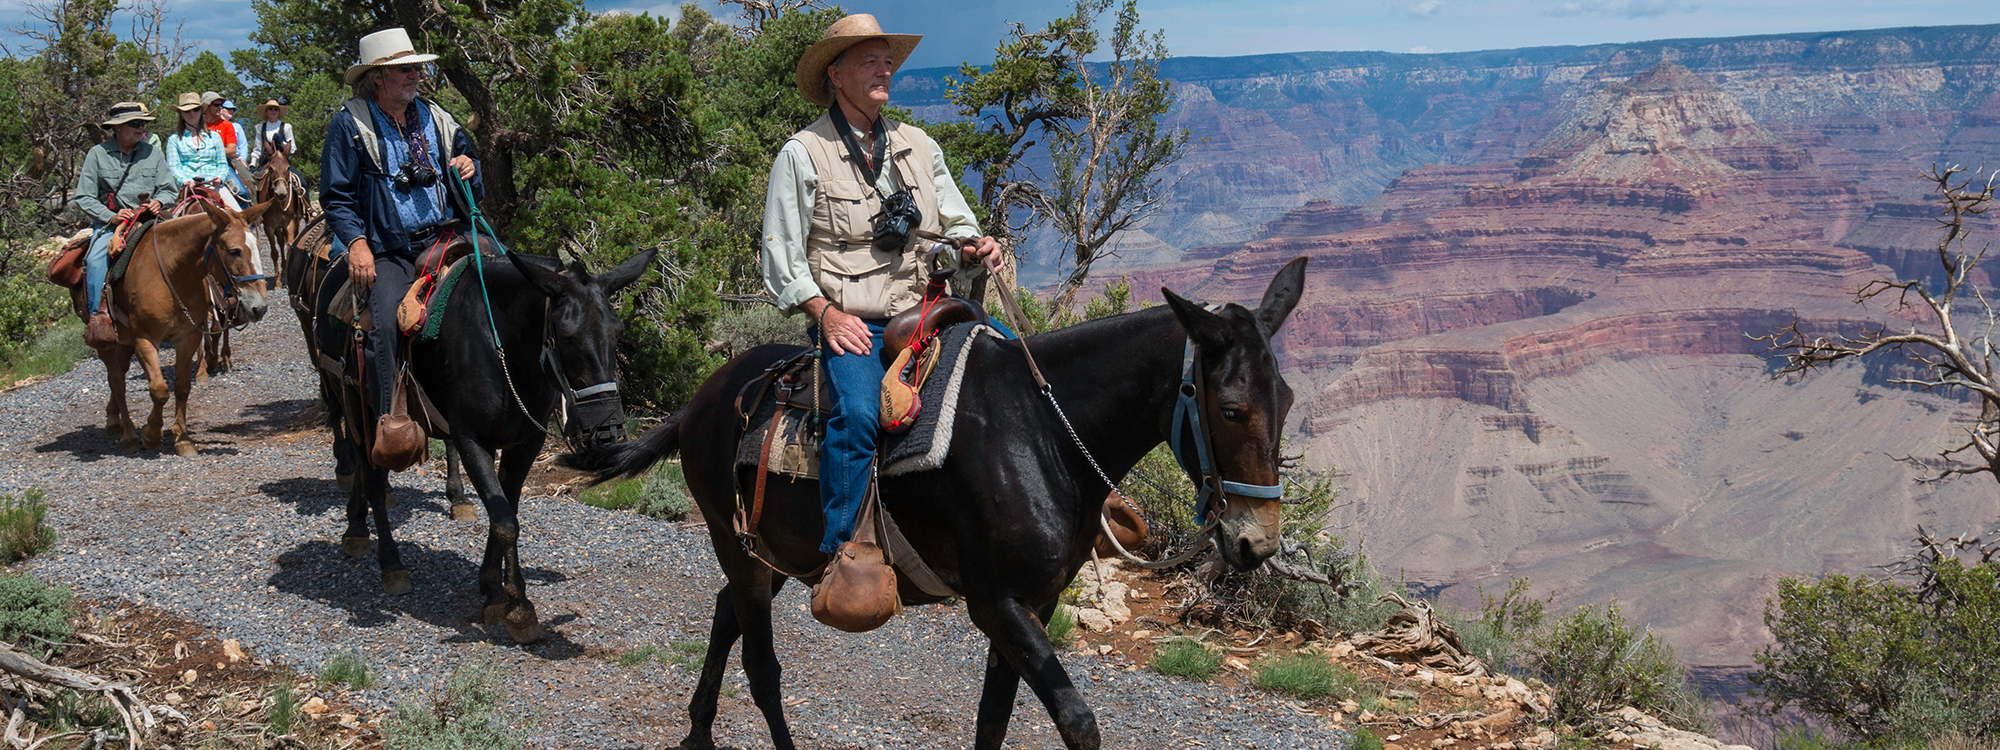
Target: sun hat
point(210, 97)
point(229, 105)
point(385, 47)
point(845, 33)
point(283, 108)
point(188, 101)
point(124, 112)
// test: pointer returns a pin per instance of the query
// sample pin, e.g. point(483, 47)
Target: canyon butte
point(1525, 345)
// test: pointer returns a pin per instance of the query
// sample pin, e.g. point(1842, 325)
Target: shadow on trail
point(91, 443)
point(446, 595)
point(274, 418)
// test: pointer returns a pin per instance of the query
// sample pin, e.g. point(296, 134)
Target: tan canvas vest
point(852, 274)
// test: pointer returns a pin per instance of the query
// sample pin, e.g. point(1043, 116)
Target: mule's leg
point(749, 618)
point(354, 541)
point(454, 486)
point(1020, 638)
point(395, 577)
point(118, 416)
point(156, 385)
point(500, 578)
point(183, 363)
point(996, 701)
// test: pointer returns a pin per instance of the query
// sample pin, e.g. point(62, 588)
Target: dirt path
point(243, 538)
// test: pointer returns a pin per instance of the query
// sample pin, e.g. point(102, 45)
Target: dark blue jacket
point(354, 192)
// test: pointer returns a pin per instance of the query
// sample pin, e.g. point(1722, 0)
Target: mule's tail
point(630, 457)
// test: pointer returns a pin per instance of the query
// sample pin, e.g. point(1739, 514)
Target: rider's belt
point(421, 237)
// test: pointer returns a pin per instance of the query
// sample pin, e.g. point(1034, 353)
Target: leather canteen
point(1127, 526)
point(858, 592)
point(410, 312)
point(901, 403)
point(400, 442)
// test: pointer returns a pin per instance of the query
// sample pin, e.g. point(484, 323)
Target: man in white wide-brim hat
point(832, 251)
point(387, 196)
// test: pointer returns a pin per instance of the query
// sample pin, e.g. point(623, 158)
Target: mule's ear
point(1282, 295)
point(215, 213)
point(627, 272)
point(549, 281)
point(253, 213)
point(1207, 329)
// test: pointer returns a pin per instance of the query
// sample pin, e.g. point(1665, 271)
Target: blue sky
point(1224, 28)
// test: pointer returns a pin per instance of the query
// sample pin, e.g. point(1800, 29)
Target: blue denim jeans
point(97, 262)
point(851, 433)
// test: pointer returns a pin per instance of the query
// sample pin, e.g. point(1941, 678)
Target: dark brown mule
point(164, 297)
point(286, 193)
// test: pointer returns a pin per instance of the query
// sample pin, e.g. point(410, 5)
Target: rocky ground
point(241, 542)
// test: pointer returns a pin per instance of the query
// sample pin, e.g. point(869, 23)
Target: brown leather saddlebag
point(67, 269)
point(858, 592)
point(400, 442)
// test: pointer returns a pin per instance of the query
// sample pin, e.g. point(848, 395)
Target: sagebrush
point(1597, 663)
point(35, 616)
point(23, 528)
point(464, 715)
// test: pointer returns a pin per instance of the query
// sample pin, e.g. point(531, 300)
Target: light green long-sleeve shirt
point(141, 171)
point(788, 204)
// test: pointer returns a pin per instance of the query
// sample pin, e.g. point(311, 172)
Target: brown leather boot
point(99, 331)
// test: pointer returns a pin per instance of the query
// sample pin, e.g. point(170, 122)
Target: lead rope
point(1022, 331)
point(478, 220)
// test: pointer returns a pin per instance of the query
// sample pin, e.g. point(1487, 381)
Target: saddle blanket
point(795, 451)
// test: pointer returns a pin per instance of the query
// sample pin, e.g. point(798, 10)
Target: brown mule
point(289, 206)
point(164, 297)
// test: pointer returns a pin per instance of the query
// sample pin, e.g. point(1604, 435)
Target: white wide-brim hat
point(810, 76)
point(385, 47)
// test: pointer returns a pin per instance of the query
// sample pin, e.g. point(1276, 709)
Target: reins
point(208, 264)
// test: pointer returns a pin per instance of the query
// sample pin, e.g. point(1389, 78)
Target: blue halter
point(1187, 409)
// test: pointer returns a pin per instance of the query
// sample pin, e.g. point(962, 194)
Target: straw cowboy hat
point(283, 108)
point(844, 33)
point(210, 97)
point(188, 101)
point(385, 47)
point(124, 112)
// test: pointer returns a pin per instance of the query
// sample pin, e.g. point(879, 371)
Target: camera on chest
point(414, 176)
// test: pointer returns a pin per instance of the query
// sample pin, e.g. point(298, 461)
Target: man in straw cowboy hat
point(845, 195)
point(385, 194)
point(120, 178)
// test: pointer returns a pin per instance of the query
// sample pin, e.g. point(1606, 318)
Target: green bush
point(464, 716)
point(1506, 624)
point(1186, 657)
point(661, 493)
point(1365, 739)
point(1597, 664)
point(1305, 675)
point(34, 616)
point(23, 531)
point(346, 668)
point(745, 328)
point(1886, 661)
point(27, 304)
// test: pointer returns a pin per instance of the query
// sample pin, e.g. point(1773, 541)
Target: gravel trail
point(244, 538)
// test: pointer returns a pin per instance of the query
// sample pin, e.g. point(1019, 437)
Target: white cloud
point(1418, 8)
point(1422, 49)
point(1622, 8)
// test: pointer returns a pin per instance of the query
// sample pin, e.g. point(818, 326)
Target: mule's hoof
point(465, 512)
point(128, 443)
point(356, 546)
point(184, 449)
point(346, 481)
point(494, 612)
point(389, 500)
point(522, 626)
point(151, 440)
point(396, 582)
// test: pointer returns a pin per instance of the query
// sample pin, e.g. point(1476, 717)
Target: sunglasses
point(412, 68)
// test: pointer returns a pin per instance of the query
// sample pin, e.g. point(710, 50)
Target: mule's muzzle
point(595, 421)
point(251, 304)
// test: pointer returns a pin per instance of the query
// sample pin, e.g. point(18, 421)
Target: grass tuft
point(34, 616)
point(1305, 675)
point(284, 711)
point(23, 531)
point(1186, 657)
point(661, 493)
point(1062, 627)
point(1365, 739)
point(346, 668)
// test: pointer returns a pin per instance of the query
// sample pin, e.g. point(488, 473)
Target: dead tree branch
point(123, 696)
